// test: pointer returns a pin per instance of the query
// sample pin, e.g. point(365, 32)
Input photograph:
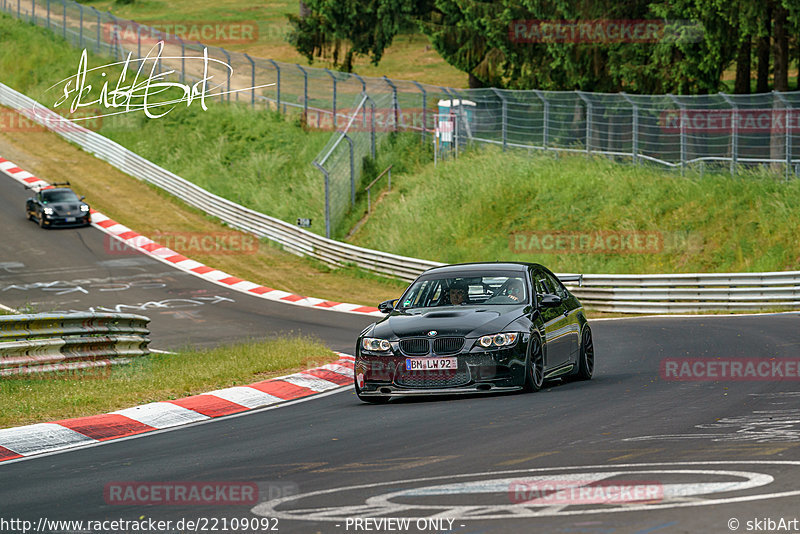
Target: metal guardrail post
point(504, 117)
point(334, 96)
point(545, 118)
point(683, 131)
point(352, 170)
point(424, 111)
point(634, 127)
point(278, 84)
point(228, 90)
point(734, 132)
point(305, 90)
point(589, 119)
point(326, 176)
point(787, 121)
point(395, 105)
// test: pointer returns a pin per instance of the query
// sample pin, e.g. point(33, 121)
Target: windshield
point(59, 196)
point(463, 290)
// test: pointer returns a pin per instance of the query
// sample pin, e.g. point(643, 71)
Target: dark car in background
point(57, 205)
point(473, 328)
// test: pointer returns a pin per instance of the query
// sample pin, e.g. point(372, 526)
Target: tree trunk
point(304, 10)
point(781, 50)
point(474, 82)
point(762, 81)
point(742, 84)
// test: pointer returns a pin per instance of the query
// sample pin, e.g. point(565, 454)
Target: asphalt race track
point(76, 269)
point(718, 453)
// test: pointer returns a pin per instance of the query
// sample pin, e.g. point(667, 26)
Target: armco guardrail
point(675, 293)
point(49, 342)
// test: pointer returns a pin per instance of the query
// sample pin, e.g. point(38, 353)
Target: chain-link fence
point(680, 132)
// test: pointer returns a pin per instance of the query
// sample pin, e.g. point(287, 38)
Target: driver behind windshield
point(458, 294)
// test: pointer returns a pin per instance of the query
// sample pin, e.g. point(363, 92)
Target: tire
point(41, 221)
point(370, 399)
point(586, 357)
point(534, 366)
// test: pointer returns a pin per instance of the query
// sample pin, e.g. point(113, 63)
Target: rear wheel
point(586, 358)
point(41, 220)
point(534, 369)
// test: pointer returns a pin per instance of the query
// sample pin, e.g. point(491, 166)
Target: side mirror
point(387, 305)
point(549, 301)
point(81, 199)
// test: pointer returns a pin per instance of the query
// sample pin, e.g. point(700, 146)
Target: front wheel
point(534, 368)
point(586, 357)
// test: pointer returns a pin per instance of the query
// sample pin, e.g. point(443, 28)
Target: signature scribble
point(145, 90)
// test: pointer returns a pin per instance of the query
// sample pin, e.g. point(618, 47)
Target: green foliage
point(468, 210)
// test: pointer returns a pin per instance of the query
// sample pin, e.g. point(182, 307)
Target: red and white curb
point(150, 248)
point(42, 438)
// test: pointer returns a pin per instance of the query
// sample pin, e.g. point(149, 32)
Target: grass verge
point(481, 201)
point(157, 377)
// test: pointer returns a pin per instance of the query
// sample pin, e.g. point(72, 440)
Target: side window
point(557, 288)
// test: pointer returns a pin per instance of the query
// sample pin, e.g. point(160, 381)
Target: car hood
point(449, 321)
point(65, 207)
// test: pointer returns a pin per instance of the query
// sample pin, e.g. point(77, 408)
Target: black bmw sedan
point(471, 328)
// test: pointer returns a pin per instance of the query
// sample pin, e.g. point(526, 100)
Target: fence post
point(352, 171)
point(228, 57)
point(327, 200)
point(504, 115)
point(278, 82)
point(33, 11)
point(588, 121)
point(139, 42)
point(183, 60)
point(372, 125)
point(252, 80)
point(734, 131)
point(114, 36)
point(545, 118)
point(635, 128)
point(80, 40)
point(48, 14)
point(788, 132)
point(364, 93)
point(97, 47)
point(64, 25)
point(394, 100)
point(424, 111)
point(334, 96)
point(683, 131)
point(305, 91)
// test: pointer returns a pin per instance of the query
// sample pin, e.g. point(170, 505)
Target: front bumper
point(55, 220)
point(488, 371)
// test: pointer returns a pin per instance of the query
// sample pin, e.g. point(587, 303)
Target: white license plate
point(431, 364)
point(70, 219)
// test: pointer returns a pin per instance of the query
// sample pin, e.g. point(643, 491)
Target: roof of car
point(482, 266)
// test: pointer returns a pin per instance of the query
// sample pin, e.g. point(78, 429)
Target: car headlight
point(48, 211)
point(498, 340)
point(375, 345)
point(84, 207)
